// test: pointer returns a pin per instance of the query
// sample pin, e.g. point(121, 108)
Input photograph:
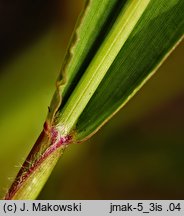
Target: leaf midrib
point(114, 41)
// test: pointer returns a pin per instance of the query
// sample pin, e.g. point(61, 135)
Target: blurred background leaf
point(113, 164)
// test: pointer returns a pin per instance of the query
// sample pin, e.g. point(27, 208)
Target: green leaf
point(134, 45)
point(92, 26)
point(158, 31)
point(97, 69)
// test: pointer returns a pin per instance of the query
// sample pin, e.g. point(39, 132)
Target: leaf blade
point(101, 62)
point(102, 107)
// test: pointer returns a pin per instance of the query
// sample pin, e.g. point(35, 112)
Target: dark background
point(137, 155)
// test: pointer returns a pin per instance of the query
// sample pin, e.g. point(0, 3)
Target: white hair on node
point(62, 130)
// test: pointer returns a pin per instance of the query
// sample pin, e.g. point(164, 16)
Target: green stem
point(39, 164)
